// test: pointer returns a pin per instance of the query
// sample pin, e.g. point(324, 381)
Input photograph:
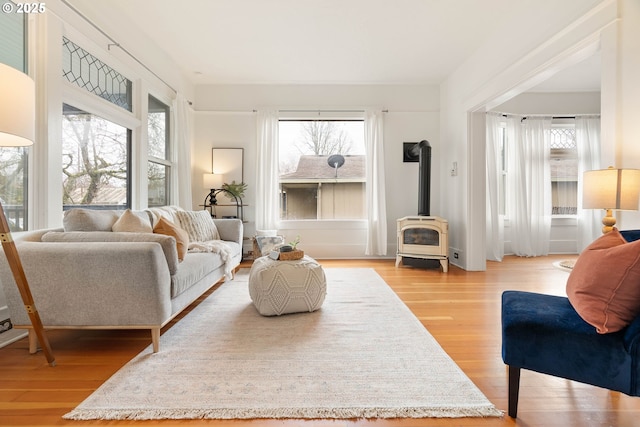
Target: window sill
point(326, 224)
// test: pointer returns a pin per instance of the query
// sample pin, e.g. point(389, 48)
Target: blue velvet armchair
point(543, 333)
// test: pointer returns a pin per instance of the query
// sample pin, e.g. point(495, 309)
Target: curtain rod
point(559, 117)
point(253, 111)
point(325, 111)
point(116, 44)
point(524, 116)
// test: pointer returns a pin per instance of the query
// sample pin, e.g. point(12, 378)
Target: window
point(159, 164)
point(564, 170)
point(13, 33)
point(14, 160)
point(88, 72)
point(13, 186)
point(322, 169)
point(95, 161)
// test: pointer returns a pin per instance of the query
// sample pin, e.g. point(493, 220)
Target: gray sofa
point(85, 276)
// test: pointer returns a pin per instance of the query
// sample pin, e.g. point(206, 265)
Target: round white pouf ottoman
point(280, 287)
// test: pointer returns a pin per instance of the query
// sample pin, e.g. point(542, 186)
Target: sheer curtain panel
point(375, 187)
point(181, 179)
point(528, 184)
point(588, 145)
point(267, 185)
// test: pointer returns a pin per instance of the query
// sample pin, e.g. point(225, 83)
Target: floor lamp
point(17, 129)
point(611, 189)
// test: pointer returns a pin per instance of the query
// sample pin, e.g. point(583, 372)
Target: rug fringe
point(281, 413)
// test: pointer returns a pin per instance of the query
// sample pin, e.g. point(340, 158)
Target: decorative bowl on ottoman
point(291, 255)
point(281, 287)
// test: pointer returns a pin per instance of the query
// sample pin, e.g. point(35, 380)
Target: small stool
point(281, 287)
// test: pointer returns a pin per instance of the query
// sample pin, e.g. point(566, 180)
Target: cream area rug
point(362, 355)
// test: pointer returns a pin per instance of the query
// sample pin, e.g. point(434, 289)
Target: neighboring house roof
point(105, 196)
point(316, 168)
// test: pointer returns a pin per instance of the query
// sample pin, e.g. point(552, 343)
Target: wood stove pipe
point(423, 150)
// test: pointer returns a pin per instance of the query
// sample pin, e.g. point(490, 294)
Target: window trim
point(169, 160)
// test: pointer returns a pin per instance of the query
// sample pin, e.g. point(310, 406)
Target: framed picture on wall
point(228, 162)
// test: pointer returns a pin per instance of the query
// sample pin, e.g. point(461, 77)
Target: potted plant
point(235, 189)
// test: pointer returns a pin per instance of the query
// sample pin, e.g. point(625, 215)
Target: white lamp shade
point(17, 108)
point(212, 180)
point(617, 189)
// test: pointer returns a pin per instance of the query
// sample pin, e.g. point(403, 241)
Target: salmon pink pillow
point(604, 285)
point(166, 227)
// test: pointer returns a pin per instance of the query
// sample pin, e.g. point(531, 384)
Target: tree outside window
point(14, 160)
point(95, 161)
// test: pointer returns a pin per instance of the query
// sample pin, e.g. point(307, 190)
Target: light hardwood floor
point(461, 310)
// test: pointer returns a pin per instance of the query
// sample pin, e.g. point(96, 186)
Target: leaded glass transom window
point(563, 138)
point(88, 72)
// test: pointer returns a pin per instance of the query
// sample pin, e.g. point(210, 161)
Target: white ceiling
point(312, 41)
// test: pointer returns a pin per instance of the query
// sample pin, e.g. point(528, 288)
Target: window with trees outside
point(322, 169)
point(96, 151)
point(14, 160)
point(95, 161)
point(159, 163)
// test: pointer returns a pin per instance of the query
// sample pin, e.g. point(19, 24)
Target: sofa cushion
point(80, 219)
point(604, 284)
point(168, 228)
point(199, 225)
point(168, 243)
point(194, 268)
point(133, 222)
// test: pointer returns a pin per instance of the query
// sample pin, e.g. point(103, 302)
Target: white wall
point(621, 96)
point(225, 119)
point(552, 103)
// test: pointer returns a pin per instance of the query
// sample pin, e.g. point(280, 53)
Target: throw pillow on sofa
point(133, 222)
point(80, 219)
point(603, 286)
point(199, 225)
point(166, 227)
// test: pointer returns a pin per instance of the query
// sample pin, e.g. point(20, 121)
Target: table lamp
point(17, 129)
point(611, 189)
point(212, 181)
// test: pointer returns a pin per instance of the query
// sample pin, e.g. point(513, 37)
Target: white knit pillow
point(199, 225)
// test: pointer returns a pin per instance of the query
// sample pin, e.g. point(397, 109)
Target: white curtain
point(588, 145)
point(495, 223)
point(528, 185)
point(267, 186)
point(181, 156)
point(375, 186)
